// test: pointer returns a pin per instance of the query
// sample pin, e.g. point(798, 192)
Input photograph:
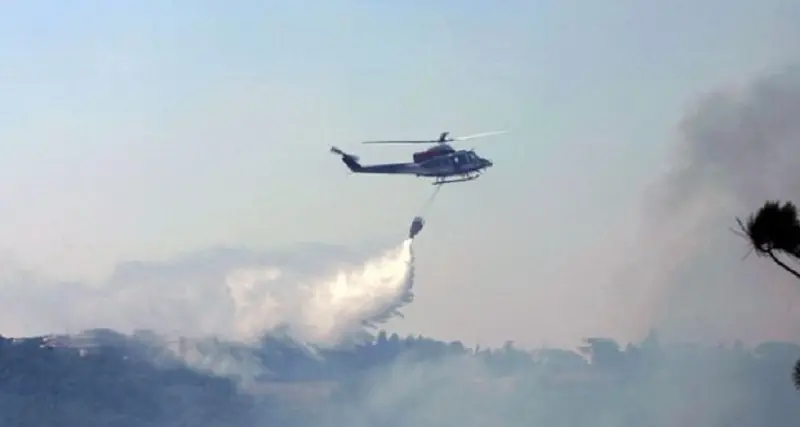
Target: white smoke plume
point(236, 295)
point(327, 310)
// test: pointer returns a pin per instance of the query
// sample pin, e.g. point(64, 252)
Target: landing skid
point(440, 181)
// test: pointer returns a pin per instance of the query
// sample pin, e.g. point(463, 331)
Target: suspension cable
point(429, 202)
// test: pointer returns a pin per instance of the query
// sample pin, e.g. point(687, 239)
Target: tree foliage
point(774, 232)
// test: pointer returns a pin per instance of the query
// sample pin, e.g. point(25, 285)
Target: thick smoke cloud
point(737, 148)
point(744, 144)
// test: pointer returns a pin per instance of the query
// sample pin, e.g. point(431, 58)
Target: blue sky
point(142, 130)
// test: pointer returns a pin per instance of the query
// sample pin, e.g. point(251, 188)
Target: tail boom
point(352, 163)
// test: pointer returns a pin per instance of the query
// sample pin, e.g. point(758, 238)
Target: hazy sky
point(139, 130)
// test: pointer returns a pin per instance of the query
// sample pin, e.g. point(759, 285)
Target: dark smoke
point(745, 145)
point(737, 149)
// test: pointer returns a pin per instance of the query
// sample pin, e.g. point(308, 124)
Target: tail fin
point(348, 159)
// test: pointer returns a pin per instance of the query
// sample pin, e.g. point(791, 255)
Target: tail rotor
point(348, 159)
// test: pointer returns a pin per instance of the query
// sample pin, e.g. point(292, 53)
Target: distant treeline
point(111, 379)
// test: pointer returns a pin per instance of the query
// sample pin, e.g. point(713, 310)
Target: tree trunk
point(783, 264)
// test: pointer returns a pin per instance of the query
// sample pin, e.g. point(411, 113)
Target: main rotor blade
point(428, 141)
point(478, 135)
point(437, 141)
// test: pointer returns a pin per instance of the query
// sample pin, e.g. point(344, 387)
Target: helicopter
point(441, 162)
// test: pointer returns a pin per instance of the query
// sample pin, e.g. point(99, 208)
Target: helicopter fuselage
point(441, 162)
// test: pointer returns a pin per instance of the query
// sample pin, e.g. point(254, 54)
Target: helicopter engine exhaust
point(416, 227)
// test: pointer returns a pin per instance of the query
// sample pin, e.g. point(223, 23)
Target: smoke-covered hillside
point(46, 386)
point(104, 378)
